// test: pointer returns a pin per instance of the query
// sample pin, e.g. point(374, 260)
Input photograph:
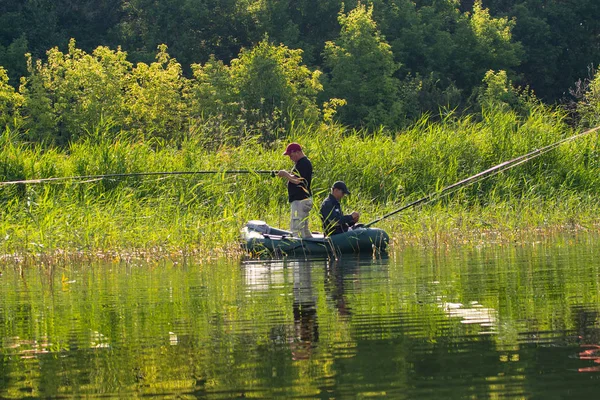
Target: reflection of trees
point(300, 328)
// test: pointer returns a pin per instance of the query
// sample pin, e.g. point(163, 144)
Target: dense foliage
point(414, 95)
point(205, 212)
point(266, 63)
point(391, 327)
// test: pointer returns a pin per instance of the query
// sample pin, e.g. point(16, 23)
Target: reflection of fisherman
point(299, 193)
point(334, 220)
point(335, 279)
point(306, 328)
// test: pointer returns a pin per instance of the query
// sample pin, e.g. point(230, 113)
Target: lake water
point(517, 321)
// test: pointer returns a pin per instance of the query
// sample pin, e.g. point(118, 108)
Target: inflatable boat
point(258, 238)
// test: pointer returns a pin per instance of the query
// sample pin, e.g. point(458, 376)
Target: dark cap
point(341, 186)
point(291, 148)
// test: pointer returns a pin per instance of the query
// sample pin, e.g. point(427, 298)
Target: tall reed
point(203, 213)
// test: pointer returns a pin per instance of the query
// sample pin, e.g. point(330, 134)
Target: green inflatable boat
point(258, 238)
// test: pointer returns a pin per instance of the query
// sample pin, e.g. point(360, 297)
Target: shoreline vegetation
point(429, 237)
point(201, 215)
point(86, 114)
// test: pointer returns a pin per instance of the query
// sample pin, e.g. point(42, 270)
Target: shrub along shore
point(202, 214)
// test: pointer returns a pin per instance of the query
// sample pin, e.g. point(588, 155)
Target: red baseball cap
point(291, 148)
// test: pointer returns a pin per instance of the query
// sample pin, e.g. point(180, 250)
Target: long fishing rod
point(506, 165)
point(134, 174)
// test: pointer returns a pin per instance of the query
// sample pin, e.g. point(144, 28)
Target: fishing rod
point(135, 174)
point(506, 165)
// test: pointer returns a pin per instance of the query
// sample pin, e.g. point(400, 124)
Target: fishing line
point(504, 166)
point(133, 174)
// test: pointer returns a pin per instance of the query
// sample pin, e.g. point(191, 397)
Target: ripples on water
point(510, 322)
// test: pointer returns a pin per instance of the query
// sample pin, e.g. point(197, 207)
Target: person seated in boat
point(334, 220)
point(299, 192)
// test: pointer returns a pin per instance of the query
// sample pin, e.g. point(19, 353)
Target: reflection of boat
point(475, 314)
point(260, 238)
point(262, 275)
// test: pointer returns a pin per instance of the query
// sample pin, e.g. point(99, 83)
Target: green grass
point(203, 213)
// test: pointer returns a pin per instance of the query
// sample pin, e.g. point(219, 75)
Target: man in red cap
point(299, 193)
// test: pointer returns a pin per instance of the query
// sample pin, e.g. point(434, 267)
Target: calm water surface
point(500, 322)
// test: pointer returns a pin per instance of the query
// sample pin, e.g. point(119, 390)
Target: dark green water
point(499, 322)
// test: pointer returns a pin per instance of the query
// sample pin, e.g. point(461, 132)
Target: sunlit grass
point(202, 214)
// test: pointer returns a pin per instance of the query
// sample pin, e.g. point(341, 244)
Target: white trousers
point(299, 221)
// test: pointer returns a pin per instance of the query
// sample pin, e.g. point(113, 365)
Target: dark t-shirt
point(302, 169)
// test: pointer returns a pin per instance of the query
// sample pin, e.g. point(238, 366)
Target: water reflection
point(474, 313)
point(588, 335)
point(474, 323)
point(337, 276)
point(27, 348)
point(306, 327)
point(262, 275)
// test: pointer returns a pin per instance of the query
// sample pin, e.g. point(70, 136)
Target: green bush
point(10, 104)
point(261, 93)
point(69, 94)
point(589, 106)
point(361, 72)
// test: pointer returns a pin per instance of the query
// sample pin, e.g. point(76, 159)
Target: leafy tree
point(193, 29)
point(497, 91)
point(34, 26)
point(154, 102)
point(575, 26)
point(213, 109)
point(262, 80)
point(211, 90)
point(268, 77)
point(263, 90)
point(440, 52)
point(13, 57)
point(72, 95)
point(494, 38)
point(539, 67)
point(67, 96)
point(10, 103)
point(91, 22)
point(300, 24)
point(422, 38)
point(447, 48)
point(589, 106)
point(361, 69)
point(29, 26)
point(559, 39)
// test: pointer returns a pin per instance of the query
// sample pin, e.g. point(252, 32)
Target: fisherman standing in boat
point(334, 220)
point(299, 193)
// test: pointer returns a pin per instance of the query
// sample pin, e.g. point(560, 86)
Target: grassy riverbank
point(203, 213)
